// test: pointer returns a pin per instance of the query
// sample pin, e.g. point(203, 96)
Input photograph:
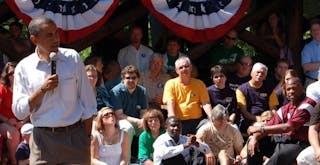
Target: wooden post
point(295, 11)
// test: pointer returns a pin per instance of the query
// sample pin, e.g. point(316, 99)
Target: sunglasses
point(184, 66)
point(11, 74)
point(131, 78)
point(108, 114)
point(245, 64)
point(231, 38)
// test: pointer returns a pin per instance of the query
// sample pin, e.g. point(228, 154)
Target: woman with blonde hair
point(153, 124)
point(109, 144)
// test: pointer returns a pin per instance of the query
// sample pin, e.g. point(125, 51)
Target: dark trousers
point(190, 126)
point(69, 146)
point(284, 154)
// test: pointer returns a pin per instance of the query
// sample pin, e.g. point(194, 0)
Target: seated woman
point(109, 144)
point(280, 92)
point(9, 125)
point(102, 95)
point(153, 124)
point(224, 140)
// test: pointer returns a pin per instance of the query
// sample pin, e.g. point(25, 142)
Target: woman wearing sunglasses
point(109, 144)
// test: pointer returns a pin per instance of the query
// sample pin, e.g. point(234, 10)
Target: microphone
point(53, 62)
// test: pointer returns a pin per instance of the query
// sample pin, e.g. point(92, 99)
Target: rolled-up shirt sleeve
point(20, 100)
point(162, 151)
point(86, 94)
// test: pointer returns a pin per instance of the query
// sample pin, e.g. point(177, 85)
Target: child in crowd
point(265, 116)
point(23, 150)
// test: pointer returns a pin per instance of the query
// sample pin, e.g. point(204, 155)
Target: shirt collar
point(36, 60)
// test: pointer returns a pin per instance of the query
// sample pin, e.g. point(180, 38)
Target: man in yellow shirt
point(184, 97)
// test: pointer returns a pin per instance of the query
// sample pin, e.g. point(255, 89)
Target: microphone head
point(53, 55)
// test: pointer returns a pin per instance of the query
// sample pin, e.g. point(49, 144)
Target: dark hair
point(282, 61)
point(5, 75)
point(174, 39)
point(315, 21)
point(92, 60)
point(217, 69)
point(34, 25)
point(16, 23)
point(173, 118)
point(152, 113)
point(130, 69)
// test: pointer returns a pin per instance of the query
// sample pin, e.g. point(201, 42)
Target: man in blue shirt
point(310, 55)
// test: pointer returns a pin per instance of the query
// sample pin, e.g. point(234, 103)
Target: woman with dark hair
point(280, 92)
point(153, 124)
point(9, 126)
point(109, 144)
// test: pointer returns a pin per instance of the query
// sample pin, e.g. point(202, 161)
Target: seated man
point(255, 96)
point(225, 141)
point(287, 126)
point(130, 102)
point(242, 74)
point(153, 80)
point(184, 96)
point(311, 155)
point(172, 148)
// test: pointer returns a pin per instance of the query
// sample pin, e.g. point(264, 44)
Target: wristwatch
point(42, 90)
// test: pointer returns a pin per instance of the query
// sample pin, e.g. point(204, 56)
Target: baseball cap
point(26, 129)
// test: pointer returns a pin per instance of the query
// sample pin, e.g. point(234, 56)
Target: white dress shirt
point(165, 147)
point(71, 101)
point(140, 58)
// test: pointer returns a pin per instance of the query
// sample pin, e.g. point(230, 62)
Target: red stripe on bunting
point(68, 36)
point(196, 35)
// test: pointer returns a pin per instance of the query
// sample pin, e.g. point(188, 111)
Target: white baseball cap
point(26, 129)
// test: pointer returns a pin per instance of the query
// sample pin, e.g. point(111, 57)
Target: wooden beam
point(260, 45)
point(112, 26)
point(5, 12)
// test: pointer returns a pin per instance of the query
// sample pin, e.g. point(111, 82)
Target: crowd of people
point(150, 108)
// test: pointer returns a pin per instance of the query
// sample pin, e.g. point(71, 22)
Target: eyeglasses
point(131, 78)
point(245, 64)
point(231, 38)
point(11, 74)
point(108, 114)
point(184, 66)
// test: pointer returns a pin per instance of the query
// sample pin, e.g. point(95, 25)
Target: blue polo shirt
point(131, 104)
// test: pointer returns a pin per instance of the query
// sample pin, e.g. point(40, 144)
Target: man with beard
point(184, 96)
point(174, 148)
point(254, 97)
point(287, 127)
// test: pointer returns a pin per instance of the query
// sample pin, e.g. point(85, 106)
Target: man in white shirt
point(135, 54)
point(60, 105)
point(174, 148)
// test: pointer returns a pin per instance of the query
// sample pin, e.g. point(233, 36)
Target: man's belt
point(314, 79)
point(62, 129)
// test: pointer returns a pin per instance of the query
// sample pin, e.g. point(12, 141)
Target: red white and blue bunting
point(75, 18)
point(198, 20)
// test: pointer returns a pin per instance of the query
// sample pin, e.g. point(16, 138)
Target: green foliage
point(85, 53)
point(248, 49)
